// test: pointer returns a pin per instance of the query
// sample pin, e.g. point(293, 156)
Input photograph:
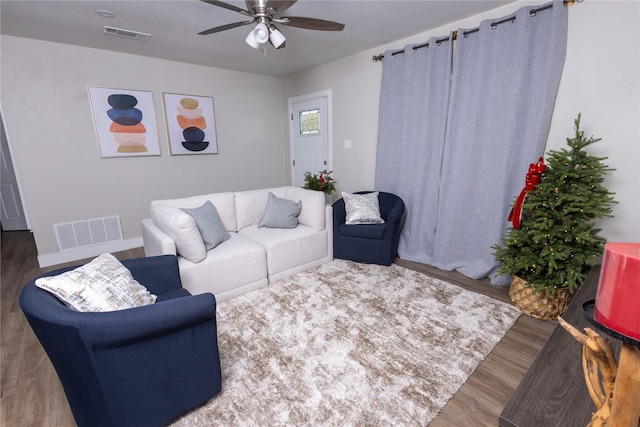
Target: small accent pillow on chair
point(104, 284)
point(280, 213)
point(362, 208)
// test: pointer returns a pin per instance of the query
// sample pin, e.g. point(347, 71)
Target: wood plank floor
point(31, 394)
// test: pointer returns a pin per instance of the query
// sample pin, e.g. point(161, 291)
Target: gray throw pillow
point(280, 213)
point(209, 224)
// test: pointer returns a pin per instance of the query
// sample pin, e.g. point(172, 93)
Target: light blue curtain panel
point(504, 83)
point(412, 123)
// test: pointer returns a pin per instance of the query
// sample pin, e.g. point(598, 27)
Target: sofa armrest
point(156, 241)
point(397, 212)
point(328, 217)
point(339, 212)
point(124, 327)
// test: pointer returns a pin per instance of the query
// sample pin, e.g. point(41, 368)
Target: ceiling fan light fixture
point(251, 41)
point(259, 35)
point(276, 37)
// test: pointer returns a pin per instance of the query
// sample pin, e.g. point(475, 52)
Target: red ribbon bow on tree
point(534, 175)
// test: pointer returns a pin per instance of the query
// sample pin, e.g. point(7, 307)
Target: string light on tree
point(556, 231)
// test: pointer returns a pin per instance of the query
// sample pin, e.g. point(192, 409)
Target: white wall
point(51, 131)
point(355, 85)
point(601, 79)
point(46, 107)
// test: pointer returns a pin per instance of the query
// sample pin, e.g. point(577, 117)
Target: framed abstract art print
point(125, 122)
point(191, 124)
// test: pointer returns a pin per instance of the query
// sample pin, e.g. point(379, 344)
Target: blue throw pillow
point(209, 224)
point(280, 213)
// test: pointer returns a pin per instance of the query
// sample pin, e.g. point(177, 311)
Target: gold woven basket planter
point(538, 305)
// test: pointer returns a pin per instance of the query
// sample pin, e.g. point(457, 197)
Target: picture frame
point(191, 124)
point(125, 122)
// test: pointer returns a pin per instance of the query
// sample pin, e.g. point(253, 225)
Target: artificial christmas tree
point(552, 247)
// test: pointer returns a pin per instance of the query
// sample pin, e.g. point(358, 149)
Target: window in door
point(310, 122)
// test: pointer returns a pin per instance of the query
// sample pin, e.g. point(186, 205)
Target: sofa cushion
point(209, 224)
point(250, 205)
point(362, 208)
point(280, 213)
point(235, 263)
point(365, 231)
point(289, 248)
point(104, 284)
point(313, 206)
point(224, 203)
point(182, 228)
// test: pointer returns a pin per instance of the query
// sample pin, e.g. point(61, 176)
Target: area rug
point(347, 344)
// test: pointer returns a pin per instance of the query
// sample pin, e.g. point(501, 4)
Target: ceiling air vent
point(126, 33)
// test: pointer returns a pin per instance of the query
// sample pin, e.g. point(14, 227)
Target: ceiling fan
point(263, 14)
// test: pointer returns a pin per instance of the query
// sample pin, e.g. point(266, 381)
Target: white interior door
point(310, 137)
point(12, 213)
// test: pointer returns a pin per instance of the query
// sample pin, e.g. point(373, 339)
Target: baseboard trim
point(88, 252)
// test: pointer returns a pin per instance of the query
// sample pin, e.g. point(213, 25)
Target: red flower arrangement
point(320, 182)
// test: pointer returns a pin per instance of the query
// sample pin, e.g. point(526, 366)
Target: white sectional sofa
point(253, 256)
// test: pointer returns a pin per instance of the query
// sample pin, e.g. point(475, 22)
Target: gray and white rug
point(348, 344)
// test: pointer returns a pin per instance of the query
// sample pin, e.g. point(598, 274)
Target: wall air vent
point(71, 235)
point(126, 33)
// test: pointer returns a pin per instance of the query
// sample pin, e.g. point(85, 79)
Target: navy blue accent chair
point(141, 366)
point(369, 243)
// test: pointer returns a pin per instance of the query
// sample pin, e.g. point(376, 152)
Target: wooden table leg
point(625, 405)
point(614, 386)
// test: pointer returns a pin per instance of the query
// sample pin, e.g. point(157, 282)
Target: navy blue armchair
point(141, 366)
point(369, 243)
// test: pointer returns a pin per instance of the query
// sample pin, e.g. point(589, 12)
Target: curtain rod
point(454, 35)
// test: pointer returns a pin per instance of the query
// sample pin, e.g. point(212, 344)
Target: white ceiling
point(174, 27)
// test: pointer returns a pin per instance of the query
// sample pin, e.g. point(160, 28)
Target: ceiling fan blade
point(227, 6)
point(310, 23)
point(279, 6)
point(224, 27)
